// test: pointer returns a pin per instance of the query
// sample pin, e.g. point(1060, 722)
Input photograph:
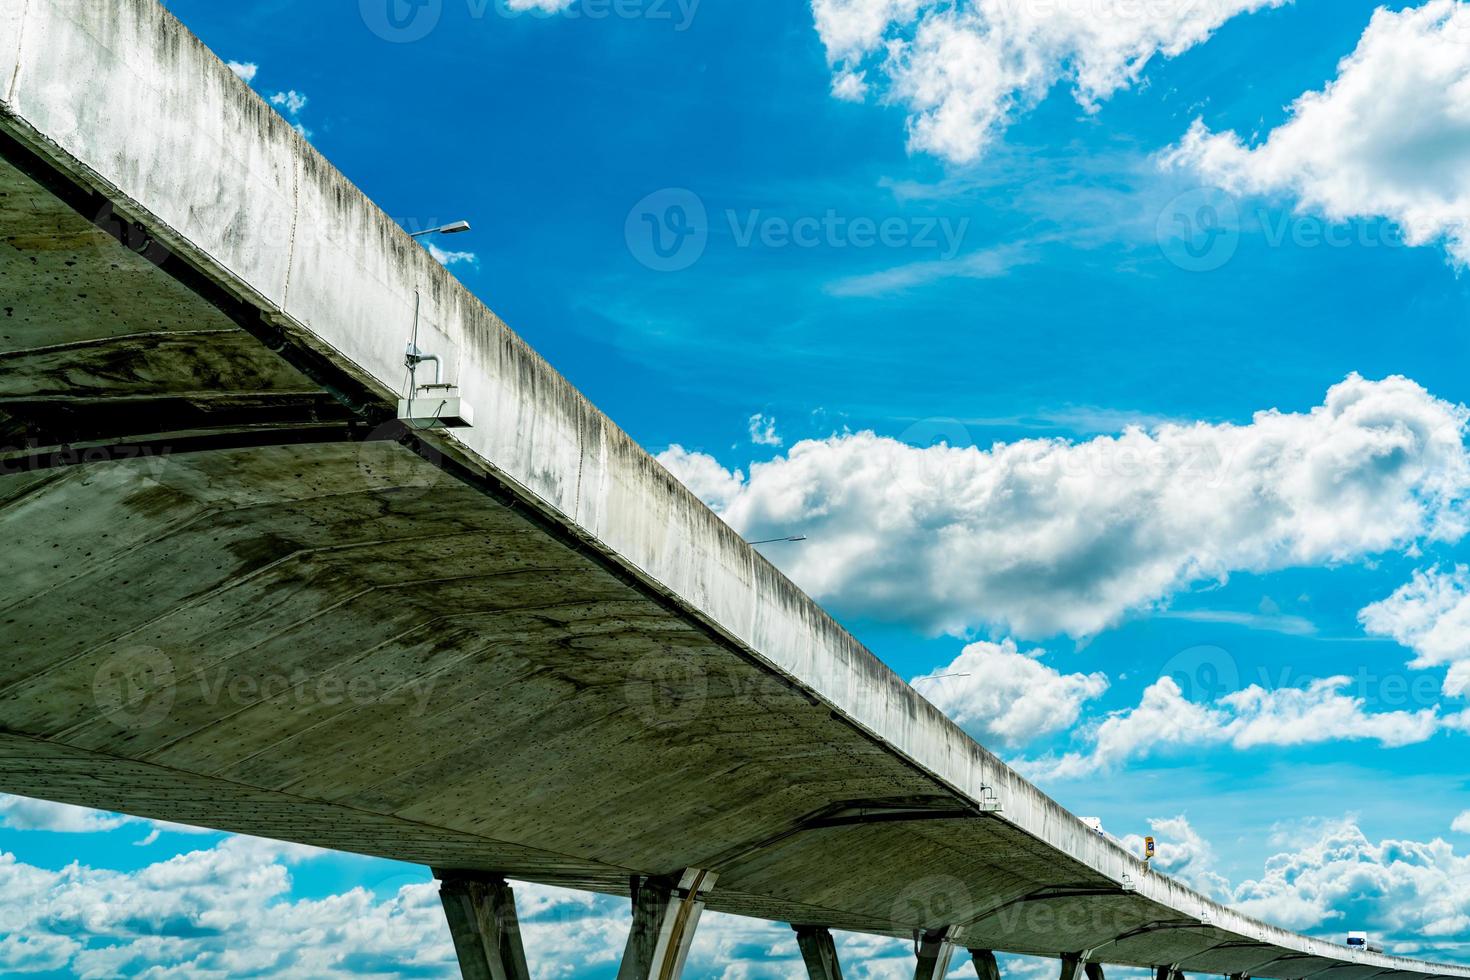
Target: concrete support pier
point(985, 966)
point(936, 949)
point(665, 914)
point(481, 910)
point(819, 952)
point(1073, 966)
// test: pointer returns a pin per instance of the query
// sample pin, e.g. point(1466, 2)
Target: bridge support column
point(665, 913)
point(985, 966)
point(1094, 971)
point(818, 952)
point(1169, 973)
point(1074, 966)
point(481, 910)
point(935, 951)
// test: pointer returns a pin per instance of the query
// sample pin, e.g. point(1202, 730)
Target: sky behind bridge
point(1110, 354)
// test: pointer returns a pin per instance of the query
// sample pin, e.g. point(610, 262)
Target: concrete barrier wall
point(120, 93)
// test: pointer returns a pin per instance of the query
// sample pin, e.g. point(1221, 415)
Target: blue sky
point(1003, 335)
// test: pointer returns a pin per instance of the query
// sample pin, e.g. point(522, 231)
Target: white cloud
point(24, 813)
point(219, 912)
point(1413, 895)
point(763, 430)
point(850, 86)
point(292, 102)
point(1182, 853)
point(545, 6)
point(245, 69)
point(1044, 535)
point(228, 911)
point(448, 258)
point(1319, 712)
point(998, 693)
point(988, 263)
point(1164, 720)
point(1431, 616)
point(965, 70)
point(709, 481)
point(1461, 823)
point(1390, 136)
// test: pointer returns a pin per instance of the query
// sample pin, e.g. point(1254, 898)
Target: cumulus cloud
point(1043, 536)
point(1430, 615)
point(965, 70)
point(999, 693)
point(291, 103)
point(447, 258)
point(23, 813)
point(218, 912)
point(1461, 823)
point(245, 69)
point(763, 430)
point(228, 911)
point(1414, 895)
point(1182, 853)
point(1164, 720)
point(1389, 136)
point(702, 474)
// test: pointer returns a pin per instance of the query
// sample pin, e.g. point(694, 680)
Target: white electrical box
point(435, 407)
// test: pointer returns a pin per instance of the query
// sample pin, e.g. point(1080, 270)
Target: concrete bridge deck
point(238, 593)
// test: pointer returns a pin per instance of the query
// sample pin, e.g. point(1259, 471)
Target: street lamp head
point(451, 229)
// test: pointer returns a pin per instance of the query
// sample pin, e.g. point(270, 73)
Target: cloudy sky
point(1112, 355)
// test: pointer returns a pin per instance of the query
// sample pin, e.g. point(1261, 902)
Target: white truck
point(1359, 940)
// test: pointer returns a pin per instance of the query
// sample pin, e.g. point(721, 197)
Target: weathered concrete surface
point(520, 648)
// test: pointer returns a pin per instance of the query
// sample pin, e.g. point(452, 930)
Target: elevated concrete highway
point(238, 593)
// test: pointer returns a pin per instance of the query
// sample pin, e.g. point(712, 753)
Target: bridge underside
point(233, 602)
